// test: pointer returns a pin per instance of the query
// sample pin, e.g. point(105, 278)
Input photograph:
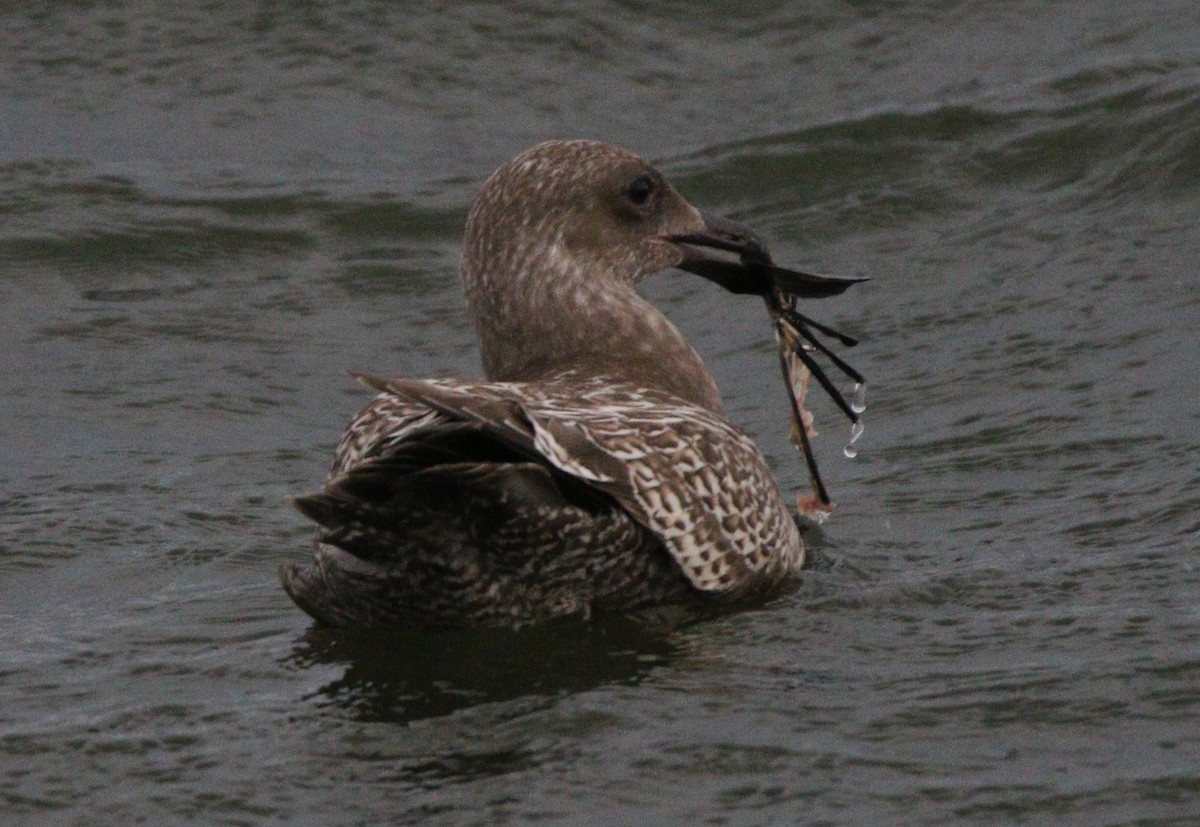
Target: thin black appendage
point(800, 325)
point(790, 310)
point(814, 475)
point(823, 379)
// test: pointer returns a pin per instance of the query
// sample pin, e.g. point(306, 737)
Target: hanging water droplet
point(858, 402)
point(856, 430)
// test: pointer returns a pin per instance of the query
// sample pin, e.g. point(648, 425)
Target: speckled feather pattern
point(696, 482)
point(593, 469)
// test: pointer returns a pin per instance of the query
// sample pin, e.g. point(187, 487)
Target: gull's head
point(582, 204)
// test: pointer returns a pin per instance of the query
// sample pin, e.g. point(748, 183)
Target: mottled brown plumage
point(594, 470)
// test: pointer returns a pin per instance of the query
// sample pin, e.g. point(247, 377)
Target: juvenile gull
point(594, 469)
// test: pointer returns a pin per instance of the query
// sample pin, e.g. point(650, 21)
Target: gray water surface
point(208, 216)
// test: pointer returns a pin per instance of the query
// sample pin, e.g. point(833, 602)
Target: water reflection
point(430, 674)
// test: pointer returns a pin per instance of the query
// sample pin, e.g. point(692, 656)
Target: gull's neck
point(557, 316)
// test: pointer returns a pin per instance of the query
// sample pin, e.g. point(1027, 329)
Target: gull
point(593, 469)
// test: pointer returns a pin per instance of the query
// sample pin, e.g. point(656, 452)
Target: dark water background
point(209, 212)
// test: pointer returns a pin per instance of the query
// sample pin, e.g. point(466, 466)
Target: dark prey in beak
point(754, 273)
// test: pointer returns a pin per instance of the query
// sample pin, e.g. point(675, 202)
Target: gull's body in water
point(594, 468)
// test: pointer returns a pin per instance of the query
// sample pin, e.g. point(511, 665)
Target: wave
point(1102, 134)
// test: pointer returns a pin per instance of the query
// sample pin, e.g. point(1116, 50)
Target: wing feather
point(681, 471)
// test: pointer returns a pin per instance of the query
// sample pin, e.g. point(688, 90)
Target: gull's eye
point(640, 190)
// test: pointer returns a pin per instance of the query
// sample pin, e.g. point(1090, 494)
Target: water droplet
point(856, 430)
point(858, 403)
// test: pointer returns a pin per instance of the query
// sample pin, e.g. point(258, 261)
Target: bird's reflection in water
point(426, 674)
